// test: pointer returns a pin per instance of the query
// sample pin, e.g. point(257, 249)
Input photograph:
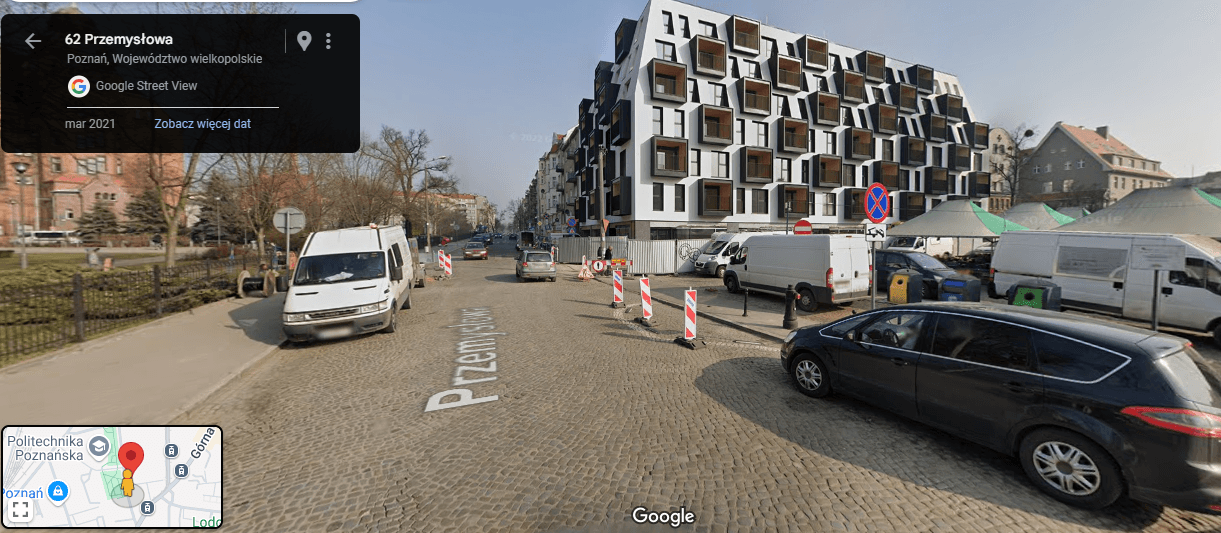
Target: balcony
point(950, 105)
point(937, 180)
point(826, 106)
point(905, 95)
point(874, 65)
point(851, 86)
point(977, 135)
point(935, 127)
point(794, 135)
point(814, 53)
point(922, 77)
point(979, 184)
point(710, 56)
point(669, 157)
point(623, 39)
point(786, 72)
point(793, 200)
point(885, 118)
point(913, 151)
point(755, 95)
point(621, 123)
point(716, 197)
point(854, 204)
point(621, 197)
point(911, 205)
point(669, 80)
point(830, 171)
point(960, 157)
point(756, 165)
point(886, 173)
point(607, 97)
point(858, 144)
point(745, 34)
point(717, 124)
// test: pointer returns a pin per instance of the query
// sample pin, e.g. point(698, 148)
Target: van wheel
point(992, 290)
point(720, 271)
point(1071, 468)
point(394, 320)
point(810, 375)
point(731, 284)
point(807, 302)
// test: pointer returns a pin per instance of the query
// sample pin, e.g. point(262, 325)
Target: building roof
point(1100, 146)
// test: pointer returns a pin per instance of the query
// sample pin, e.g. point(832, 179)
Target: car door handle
point(1016, 387)
point(1117, 285)
point(899, 361)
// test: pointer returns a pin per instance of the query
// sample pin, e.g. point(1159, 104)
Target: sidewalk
point(145, 375)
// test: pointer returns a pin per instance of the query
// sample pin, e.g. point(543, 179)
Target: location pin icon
point(303, 39)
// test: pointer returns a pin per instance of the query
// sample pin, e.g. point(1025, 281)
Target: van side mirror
point(396, 274)
point(735, 260)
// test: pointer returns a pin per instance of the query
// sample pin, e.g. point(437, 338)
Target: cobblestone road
point(595, 416)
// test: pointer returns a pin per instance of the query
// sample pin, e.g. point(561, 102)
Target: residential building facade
point(1090, 168)
point(710, 121)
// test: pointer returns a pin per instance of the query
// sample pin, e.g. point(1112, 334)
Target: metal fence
point(51, 315)
point(667, 256)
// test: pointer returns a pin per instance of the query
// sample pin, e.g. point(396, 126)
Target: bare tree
point(173, 182)
point(402, 157)
point(1014, 168)
point(263, 183)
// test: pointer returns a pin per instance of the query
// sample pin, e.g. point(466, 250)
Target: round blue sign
point(572, 222)
point(877, 203)
point(57, 491)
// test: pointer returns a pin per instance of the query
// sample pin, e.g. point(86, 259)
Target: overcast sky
point(491, 80)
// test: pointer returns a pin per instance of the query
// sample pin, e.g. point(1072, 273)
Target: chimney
point(1104, 132)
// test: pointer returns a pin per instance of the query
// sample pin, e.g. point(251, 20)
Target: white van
point(714, 257)
point(823, 269)
point(349, 281)
point(940, 247)
point(52, 238)
point(1092, 270)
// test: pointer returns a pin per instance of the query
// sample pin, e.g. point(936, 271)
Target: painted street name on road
point(476, 345)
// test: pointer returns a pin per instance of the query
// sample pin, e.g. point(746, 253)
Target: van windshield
point(714, 247)
point(903, 242)
point(320, 269)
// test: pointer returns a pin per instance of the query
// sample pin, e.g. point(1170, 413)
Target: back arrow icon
point(31, 40)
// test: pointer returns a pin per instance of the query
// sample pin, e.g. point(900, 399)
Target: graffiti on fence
point(688, 252)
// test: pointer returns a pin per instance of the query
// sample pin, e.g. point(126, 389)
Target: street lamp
point(217, 215)
point(428, 208)
point(21, 167)
point(788, 208)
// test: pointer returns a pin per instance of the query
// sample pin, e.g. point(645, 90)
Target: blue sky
point(491, 80)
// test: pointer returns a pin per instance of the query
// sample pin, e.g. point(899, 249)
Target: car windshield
point(471, 245)
point(333, 268)
point(714, 247)
point(538, 258)
point(927, 262)
point(903, 242)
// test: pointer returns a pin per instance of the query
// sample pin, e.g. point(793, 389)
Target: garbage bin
point(1036, 293)
point(959, 288)
point(905, 287)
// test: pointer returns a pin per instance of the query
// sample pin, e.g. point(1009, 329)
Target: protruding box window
point(905, 96)
point(826, 108)
point(830, 171)
point(938, 180)
point(669, 157)
point(950, 105)
point(793, 200)
point(716, 197)
point(710, 56)
point(756, 165)
point(922, 77)
point(794, 135)
point(886, 173)
point(669, 80)
point(716, 124)
point(977, 135)
point(960, 157)
point(874, 65)
point(935, 127)
point(913, 151)
point(851, 86)
point(858, 144)
point(621, 122)
point(786, 73)
point(814, 52)
point(911, 205)
point(885, 118)
point(854, 204)
point(755, 95)
point(623, 39)
point(979, 184)
point(744, 35)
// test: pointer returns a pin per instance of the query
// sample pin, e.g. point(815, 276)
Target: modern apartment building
point(710, 121)
point(1090, 168)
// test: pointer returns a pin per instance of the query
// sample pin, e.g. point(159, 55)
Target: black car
point(888, 261)
point(1093, 410)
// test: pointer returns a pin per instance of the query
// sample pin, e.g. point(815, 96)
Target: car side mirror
point(396, 274)
point(851, 337)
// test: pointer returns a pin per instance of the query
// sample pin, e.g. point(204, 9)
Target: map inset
point(123, 476)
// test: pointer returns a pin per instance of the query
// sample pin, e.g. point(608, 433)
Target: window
point(779, 104)
point(1114, 182)
point(1066, 358)
point(1068, 185)
point(849, 175)
point(828, 204)
point(694, 169)
point(741, 131)
point(623, 163)
point(708, 29)
point(82, 167)
point(1080, 163)
point(831, 142)
point(118, 166)
point(1047, 168)
point(657, 121)
point(982, 341)
point(741, 207)
point(896, 330)
point(1123, 183)
point(659, 193)
point(888, 150)
point(693, 91)
point(758, 204)
point(937, 156)
point(665, 50)
point(1038, 169)
point(786, 169)
point(718, 95)
point(680, 198)
point(979, 161)
point(57, 165)
point(1198, 274)
point(680, 119)
point(667, 20)
point(805, 172)
point(720, 167)
point(685, 26)
point(1047, 187)
point(752, 69)
point(768, 46)
point(838, 330)
point(761, 134)
point(1068, 165)
point(97, 196)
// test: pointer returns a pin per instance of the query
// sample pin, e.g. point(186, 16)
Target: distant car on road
point(535, 264)
point(474, 250)
point(1091, 409)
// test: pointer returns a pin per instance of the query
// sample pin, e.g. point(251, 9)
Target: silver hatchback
point(535, 264)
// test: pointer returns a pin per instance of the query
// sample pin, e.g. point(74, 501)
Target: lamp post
point(217, 215)
point(428, 209)
point(21, 167)
point(788, 208)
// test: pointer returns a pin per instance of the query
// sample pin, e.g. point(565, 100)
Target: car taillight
point(830, 273)
point(525, 264)
point(1186, 421)
point(552, 265)
point(992, 272)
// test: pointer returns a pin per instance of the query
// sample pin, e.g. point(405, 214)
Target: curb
point(198, 399)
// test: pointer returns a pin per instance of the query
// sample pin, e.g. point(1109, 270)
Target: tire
point(720, 271)
point(732, 285)
point(553, 279)
point(992, 291)
point(420, 283)
point(394, 320)
point(807, 302)
point(810, 376)
point(1071, 450)
point(926, 292)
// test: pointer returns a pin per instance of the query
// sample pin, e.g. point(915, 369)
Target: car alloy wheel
point(810, 375)
point(1071, 468)
point(1066, 468)
point(720, 271)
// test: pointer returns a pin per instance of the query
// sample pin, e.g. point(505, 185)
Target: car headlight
point(373, 308)
point(294, 317)
point(789, 338)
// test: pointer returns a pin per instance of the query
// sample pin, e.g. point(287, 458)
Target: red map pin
point(130, 456)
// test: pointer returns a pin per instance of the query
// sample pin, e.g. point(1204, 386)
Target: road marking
point(477, 345)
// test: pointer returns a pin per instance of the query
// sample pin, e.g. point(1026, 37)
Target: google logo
point(78, 86)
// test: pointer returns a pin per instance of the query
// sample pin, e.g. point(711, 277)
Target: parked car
point(827, 269)
point(1091, 409)
point(535, 264)
point(474, 250)
point(50, 238)
point(888, 260)
point(1094, 273)
point(512, 236)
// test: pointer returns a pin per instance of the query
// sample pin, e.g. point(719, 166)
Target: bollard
point(617, 294)
point(790, 308)
point(688, 337)
point(745, 297)
point(646, 304)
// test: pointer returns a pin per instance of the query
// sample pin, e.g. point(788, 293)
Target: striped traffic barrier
point(688, 337)
point(449, 265)
point(646, 303)
point(617, 284)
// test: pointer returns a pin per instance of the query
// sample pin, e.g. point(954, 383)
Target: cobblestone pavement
point(595, 416)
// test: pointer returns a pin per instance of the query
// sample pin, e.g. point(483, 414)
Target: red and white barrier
point(585, 274)
point(599, 266)
point(449, 264)
point(646, 299)
point(689, 317)
point(618, 289)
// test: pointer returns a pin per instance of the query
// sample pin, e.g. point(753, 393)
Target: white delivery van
point(1093, 272)
point(823, 269)
point(349, 281)
point(940, 247)
point(714, 257)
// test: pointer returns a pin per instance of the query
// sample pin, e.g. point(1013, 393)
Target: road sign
point(1158, 257)
point(802, 227)
point(875, 232)
point(877, 203)
point(289, 220)
point(572, 222)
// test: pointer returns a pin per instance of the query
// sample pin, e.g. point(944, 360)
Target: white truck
point(714, 257)
point(823, 269)
point(349, 281)
point(1094, 273)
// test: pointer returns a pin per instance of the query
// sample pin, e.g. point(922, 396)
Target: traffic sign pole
point(877, 207)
